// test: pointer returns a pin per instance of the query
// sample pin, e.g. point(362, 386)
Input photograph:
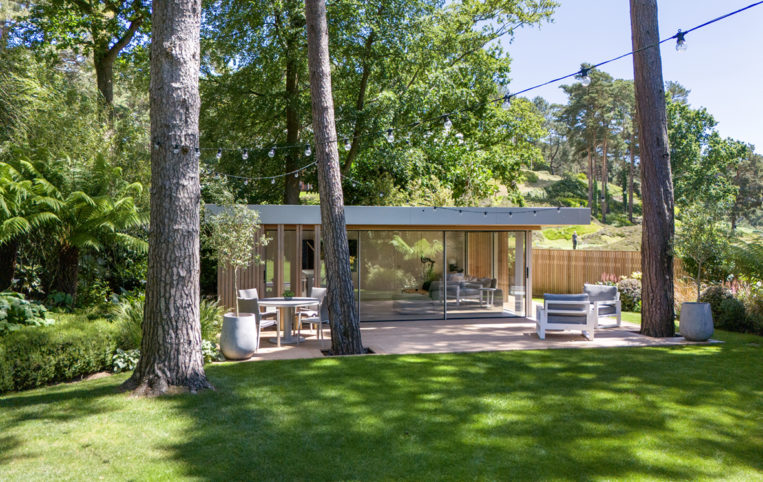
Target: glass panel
point(270, 263)
point(400, 275)
point(472, 280)
point(290, 265)
point(514, 303)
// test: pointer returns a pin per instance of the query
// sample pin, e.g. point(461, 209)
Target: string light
point(507, 102)
point(156, 145)
point(308, 151)
point(197, 151)
point(347, 145)
point(296, 174)
point(390, 136)
point(681, 41)
point(272, 152)
point(175, 149)
point(273, 181)
point(585, 80)
point(245, 154)
point(219, 154)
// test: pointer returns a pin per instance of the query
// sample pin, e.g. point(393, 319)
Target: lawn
point(682, 412)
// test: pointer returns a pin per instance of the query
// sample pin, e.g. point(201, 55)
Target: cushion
point(581, 308)
point(600, 292)
point(607, 310)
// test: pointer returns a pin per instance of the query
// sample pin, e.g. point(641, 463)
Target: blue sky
point(723, 66)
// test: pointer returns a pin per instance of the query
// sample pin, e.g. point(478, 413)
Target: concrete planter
point(238, 338)
point(696, 322)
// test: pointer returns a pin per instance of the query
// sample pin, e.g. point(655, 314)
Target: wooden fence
point(565, 271)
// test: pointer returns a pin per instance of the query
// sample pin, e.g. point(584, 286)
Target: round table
point(287, 307)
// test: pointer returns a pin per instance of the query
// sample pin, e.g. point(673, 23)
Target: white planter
point(238, 337)
point(696, 321)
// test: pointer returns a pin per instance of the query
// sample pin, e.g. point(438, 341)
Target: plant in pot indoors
point(234, 235)
point(700, 239)
point(288, 294)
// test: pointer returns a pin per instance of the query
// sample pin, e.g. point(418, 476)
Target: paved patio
point(452, 336)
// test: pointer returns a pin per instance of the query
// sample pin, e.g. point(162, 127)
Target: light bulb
point(510, 214)
point(585, 80)
point(296, 174)
point(246, 182)
point(219, 154)
point(347, 145)
point(273, 181)
point(390, 136)
point(272, 152)
point(681, 41)
point(308, 151)
point(175, 149)
point(198, 152)
point(506, 101)
point(245, 155)
point(484, 214)
point(448, 125)
point(156, 145)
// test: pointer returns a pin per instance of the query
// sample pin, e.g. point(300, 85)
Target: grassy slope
point(682, 412)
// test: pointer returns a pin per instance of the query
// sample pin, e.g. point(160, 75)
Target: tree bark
point(171, 345)
point(604, 181)
point(8, 256)
point(631, 170)
point(345, 329)
point(657, 317)
point(590, 177)
point(67, 274)
point(104, 76)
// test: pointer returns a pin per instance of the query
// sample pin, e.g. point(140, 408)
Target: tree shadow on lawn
point(655, 412)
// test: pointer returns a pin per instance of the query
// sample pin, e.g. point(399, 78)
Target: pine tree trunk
point(657, 318)
point(171, 345)
point(590, 178)
point(604, 182)
point(8, 255)
point(345, 329)
point(67, 274)
point(631, 170)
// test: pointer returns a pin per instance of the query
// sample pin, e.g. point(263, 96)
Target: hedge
point(72, 348)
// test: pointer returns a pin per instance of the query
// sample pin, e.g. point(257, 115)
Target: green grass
point(692, 412)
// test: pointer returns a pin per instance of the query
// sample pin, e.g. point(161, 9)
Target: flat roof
point(424, 216)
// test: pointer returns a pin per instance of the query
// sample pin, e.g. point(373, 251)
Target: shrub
point(211, 315)
point(715, 295)
point(36, 356)
point(732, 316)
point(59, 299)
point(123, 361)
point(630, 294)
point(530, 176)
point(16, 312)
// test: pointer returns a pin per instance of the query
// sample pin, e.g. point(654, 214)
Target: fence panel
point(565, 271)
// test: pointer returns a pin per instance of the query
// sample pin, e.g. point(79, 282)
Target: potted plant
point(288, 294)
point(234, 233)
point(699, 239)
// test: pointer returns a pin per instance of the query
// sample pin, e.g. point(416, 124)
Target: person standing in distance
point(575, 240)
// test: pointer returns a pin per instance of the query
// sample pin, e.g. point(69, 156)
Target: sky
point(722, 67)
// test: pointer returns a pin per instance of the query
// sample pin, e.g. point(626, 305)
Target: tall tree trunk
point(171, 345)
point(631, 170)
point(291, 184)
point(604, 181)
point(8, 256)
point(345, 329)
point(104, 75)
point(657, 318)
point(67, 274)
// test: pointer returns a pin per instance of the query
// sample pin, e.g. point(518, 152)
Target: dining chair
point(252, 294)
point(252, 305)
point(318, 316)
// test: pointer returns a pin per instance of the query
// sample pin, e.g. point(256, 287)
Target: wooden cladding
point(566, 271)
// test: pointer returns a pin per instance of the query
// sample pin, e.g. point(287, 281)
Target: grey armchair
point(605, 302)
point(565, 312)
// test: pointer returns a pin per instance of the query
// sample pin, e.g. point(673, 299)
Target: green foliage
point(701, 241)
point(73, 347)
point(59, 299)
point(288, 293)
point(210, 316)
point(568, 188)
point(747, 258)
point(123, 361)
point(715, 295)
point(567, 231)
point(530, 176)
point(732, 316)
point(630, 294)
point(16, 312)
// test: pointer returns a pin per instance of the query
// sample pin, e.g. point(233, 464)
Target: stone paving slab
point(472, 335)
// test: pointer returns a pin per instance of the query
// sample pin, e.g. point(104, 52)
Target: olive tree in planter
point(233, 237)
point(700, 238)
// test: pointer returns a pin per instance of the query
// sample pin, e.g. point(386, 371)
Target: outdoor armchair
point(605, 302)
point(565, 312)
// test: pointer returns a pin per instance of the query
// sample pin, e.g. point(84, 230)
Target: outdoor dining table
point(287, 307)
